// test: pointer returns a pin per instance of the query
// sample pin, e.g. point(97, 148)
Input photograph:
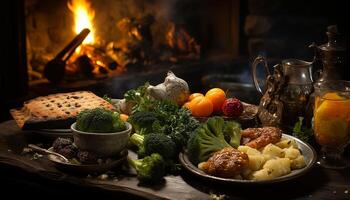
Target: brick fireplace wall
point(284, 29)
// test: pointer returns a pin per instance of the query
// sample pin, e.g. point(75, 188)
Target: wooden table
point(17, 169)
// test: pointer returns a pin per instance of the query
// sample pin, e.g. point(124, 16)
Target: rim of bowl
point(128, 129)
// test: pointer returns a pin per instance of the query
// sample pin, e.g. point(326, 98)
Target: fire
point(83, 18)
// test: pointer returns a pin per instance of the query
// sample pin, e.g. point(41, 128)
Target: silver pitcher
point(287, 92)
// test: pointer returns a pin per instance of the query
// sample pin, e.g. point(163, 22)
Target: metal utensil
point(55, 68)
point(46, 152)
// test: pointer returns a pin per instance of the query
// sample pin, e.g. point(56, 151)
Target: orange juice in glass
point(331, 121)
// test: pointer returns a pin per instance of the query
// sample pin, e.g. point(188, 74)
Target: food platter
point(307, 151)
point(84, 169)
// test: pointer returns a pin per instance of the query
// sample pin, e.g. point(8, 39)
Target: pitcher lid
point(334, 40)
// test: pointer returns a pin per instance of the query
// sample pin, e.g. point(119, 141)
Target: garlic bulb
point(173, 88)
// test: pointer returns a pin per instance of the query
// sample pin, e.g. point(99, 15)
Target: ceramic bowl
point(103, 144)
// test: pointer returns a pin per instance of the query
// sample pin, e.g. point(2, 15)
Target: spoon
point(46, 152)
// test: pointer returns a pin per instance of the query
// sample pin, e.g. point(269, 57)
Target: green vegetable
point(154, 143)
point(143, 120)
point(207, 139)
point(162, 124)
point(232, 132)
point(172, 167)
point(164, 117)
point(137, 95)
point(99, 120)
point(150, 170)
point(107, 98)
point(302, 132)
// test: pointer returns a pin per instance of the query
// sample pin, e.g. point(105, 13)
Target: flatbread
point(57, 110)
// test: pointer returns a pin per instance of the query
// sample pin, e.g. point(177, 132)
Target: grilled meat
point(226, 163)
point(260, 137)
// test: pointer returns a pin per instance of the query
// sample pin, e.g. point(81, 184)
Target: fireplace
point(130, 42)
point(125, 36)
point(139, 40)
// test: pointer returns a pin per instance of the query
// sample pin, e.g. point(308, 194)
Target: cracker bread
point(56, 110)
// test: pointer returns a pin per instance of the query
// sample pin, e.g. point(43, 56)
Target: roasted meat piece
point(226, 163)
point(65, 147)
point(260, 137)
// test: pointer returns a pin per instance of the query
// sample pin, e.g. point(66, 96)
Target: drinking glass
point(331, 122)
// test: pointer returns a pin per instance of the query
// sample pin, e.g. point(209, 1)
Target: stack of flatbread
point(56, 111)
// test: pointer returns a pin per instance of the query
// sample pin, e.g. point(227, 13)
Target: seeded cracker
point(57, 110)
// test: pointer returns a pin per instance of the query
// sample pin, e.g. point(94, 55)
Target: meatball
point(69, 151)
point(65, 147)
point(226, 163)
point(86, 157)
point(60, 143)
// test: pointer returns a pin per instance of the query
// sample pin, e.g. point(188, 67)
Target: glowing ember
point(83, 18)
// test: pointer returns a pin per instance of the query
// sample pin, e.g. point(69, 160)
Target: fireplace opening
point(125, 36)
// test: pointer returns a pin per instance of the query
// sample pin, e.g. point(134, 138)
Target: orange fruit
point(187, 105)
point(124, 117)
point(201, 107)
point(217, 96)
point(194, 95)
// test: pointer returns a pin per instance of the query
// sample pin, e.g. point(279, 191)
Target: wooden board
point(318, 184)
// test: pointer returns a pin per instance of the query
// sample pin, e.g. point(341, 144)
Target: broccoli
point(232, 133)
point(143, 121)
point(150, 170)
point(99, 120)
point(206, 140)
point(136, 95)
point(178, 126)
point(154, 143)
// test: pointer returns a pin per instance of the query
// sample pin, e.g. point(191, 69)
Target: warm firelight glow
point(83, 18)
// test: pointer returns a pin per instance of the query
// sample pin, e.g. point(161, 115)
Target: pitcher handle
point(256, 62)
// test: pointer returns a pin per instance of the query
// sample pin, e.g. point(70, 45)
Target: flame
point(83, 18)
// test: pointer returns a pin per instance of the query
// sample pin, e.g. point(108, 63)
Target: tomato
point(217, 96)
point(232, 107)
point(194, 95)
point(201, 107)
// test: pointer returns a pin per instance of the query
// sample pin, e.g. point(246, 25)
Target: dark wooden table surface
point(39, 178)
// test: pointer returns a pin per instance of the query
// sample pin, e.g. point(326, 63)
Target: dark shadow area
point(21, 184)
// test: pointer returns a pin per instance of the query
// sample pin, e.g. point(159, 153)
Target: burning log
point(91, 61)
point(85, 66)
point(137, 45)
point(55, 69)
point(137, 29)
point(182, 44)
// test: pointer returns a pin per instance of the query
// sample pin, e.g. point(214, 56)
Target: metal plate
point(89, 168)
point(307, 151)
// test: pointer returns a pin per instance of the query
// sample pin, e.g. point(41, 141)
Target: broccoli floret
point(143, 121)
point(206, 140)
point(154, 143)
point(99, 120)
point(232, 133)
point(150, 170)
point(172, 167)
